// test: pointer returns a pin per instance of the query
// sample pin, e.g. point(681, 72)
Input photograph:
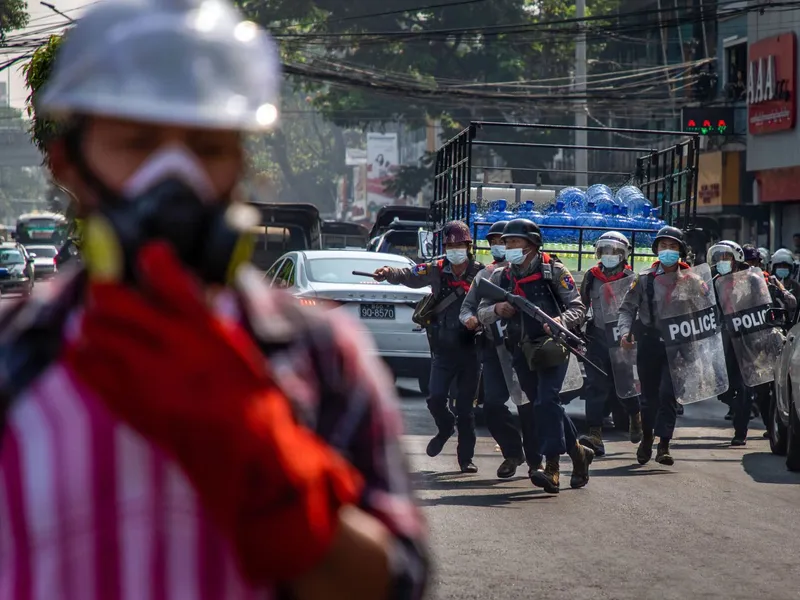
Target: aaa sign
point(771, 104)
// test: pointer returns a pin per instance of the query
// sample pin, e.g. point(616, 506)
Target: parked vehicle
point(283, 228)
point(17, 272)
point(385, 310)
point(344, 234)
point(44, 260)
point(783, 424)
point(396, 231)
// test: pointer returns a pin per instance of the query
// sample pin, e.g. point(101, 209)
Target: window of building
point(736, 71)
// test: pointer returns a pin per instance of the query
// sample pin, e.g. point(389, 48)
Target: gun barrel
point(364, 274)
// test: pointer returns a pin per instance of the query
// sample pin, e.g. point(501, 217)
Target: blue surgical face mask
point(516, 256)
point(457, 256)
point(610, 261)
point(782, 273)
point(724, 267)
point(498, 251)
point(669, 258)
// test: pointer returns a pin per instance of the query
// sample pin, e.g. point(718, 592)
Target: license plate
point(377, 311)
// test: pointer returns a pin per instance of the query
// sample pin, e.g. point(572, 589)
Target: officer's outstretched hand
point(382, 274)
point(505, 310)
point(627, 342)
point(197, 387)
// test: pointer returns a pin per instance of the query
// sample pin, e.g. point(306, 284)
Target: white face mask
point(457, 256)
point(724, 267)
point(610, 261)
point(498, 251)
point(516, 256)
point(171, 161)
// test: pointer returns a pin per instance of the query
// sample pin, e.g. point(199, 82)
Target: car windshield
point(405, 243)
point(11, 257)
point(43, 251)
point(340, 270)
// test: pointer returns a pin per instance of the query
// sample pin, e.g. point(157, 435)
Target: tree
point(479, 41)
point(13, 15)
point(36, 72)
point(306, 155)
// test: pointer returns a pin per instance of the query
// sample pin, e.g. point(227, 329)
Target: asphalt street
point(721, 523)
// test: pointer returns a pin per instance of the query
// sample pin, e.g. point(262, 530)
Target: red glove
point(198, 388)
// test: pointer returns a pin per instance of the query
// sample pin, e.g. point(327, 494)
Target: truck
point(470, 175)
point(667, 176)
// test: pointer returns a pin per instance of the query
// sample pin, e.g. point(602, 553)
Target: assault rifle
point(577, 346)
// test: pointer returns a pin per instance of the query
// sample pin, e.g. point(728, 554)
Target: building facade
point(773, 138)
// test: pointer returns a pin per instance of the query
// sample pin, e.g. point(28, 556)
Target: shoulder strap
point(588, 281)
point(546, 267)
point(650, 290)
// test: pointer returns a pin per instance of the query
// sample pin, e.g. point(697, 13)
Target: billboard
point(382, 164)
point(771, 103)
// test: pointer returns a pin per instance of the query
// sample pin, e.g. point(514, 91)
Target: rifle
point(364, 274)
point(562, 335)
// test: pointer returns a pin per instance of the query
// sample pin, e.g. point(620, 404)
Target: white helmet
point(194, 63)
point(715, 253)
point(613, 242)
point(782, 256)
point(764, 254)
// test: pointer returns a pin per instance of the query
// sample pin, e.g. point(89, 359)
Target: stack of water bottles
point(598, 207)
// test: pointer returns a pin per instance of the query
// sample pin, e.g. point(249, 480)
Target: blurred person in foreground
point(171, 428)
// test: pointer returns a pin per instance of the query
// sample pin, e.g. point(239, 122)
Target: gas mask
point(169, 198)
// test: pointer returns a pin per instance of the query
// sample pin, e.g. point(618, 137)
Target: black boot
point(548, 478)
point(663, 457)
point(468, 467)
point(508, 468)
point(594, 441)
point(436, 445)
point(645, 451)
point(581, 457)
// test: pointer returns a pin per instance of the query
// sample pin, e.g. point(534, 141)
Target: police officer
point(781, 268)
point(496, 390)
point(724, 258)
point(540, 362)
point(781, 298)
point(612, 252)
point(453, 348)
point(659, 406)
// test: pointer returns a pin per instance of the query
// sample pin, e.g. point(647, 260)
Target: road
point(722, 523)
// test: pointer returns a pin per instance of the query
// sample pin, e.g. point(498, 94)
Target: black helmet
point(497, 228)
point(670, 233)
point(751, 253)
point(523, 228)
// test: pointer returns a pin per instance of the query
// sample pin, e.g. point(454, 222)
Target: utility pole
point(58, 12)
point(581, 136)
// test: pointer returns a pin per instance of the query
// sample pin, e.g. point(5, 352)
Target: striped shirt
point(90, 510)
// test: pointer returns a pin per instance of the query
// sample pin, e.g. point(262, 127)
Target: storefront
point(773, 139)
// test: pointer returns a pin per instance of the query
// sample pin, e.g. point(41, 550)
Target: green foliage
point(36, 73)
point(13, 15)
point(460, 56)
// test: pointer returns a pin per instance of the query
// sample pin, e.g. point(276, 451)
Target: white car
point(44, 260)
point(383, 309)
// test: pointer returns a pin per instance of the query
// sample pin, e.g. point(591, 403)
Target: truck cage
point(668, 177)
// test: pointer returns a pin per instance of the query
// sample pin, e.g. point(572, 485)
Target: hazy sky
point(41, 18)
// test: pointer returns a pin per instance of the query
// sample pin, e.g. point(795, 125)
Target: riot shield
point(623, 362)
point(518, 397)
point(574, 377)
point(686, 306)
point(745, 300)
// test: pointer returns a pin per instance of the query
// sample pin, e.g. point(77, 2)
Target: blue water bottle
point(574, 200)
point(591, 218)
